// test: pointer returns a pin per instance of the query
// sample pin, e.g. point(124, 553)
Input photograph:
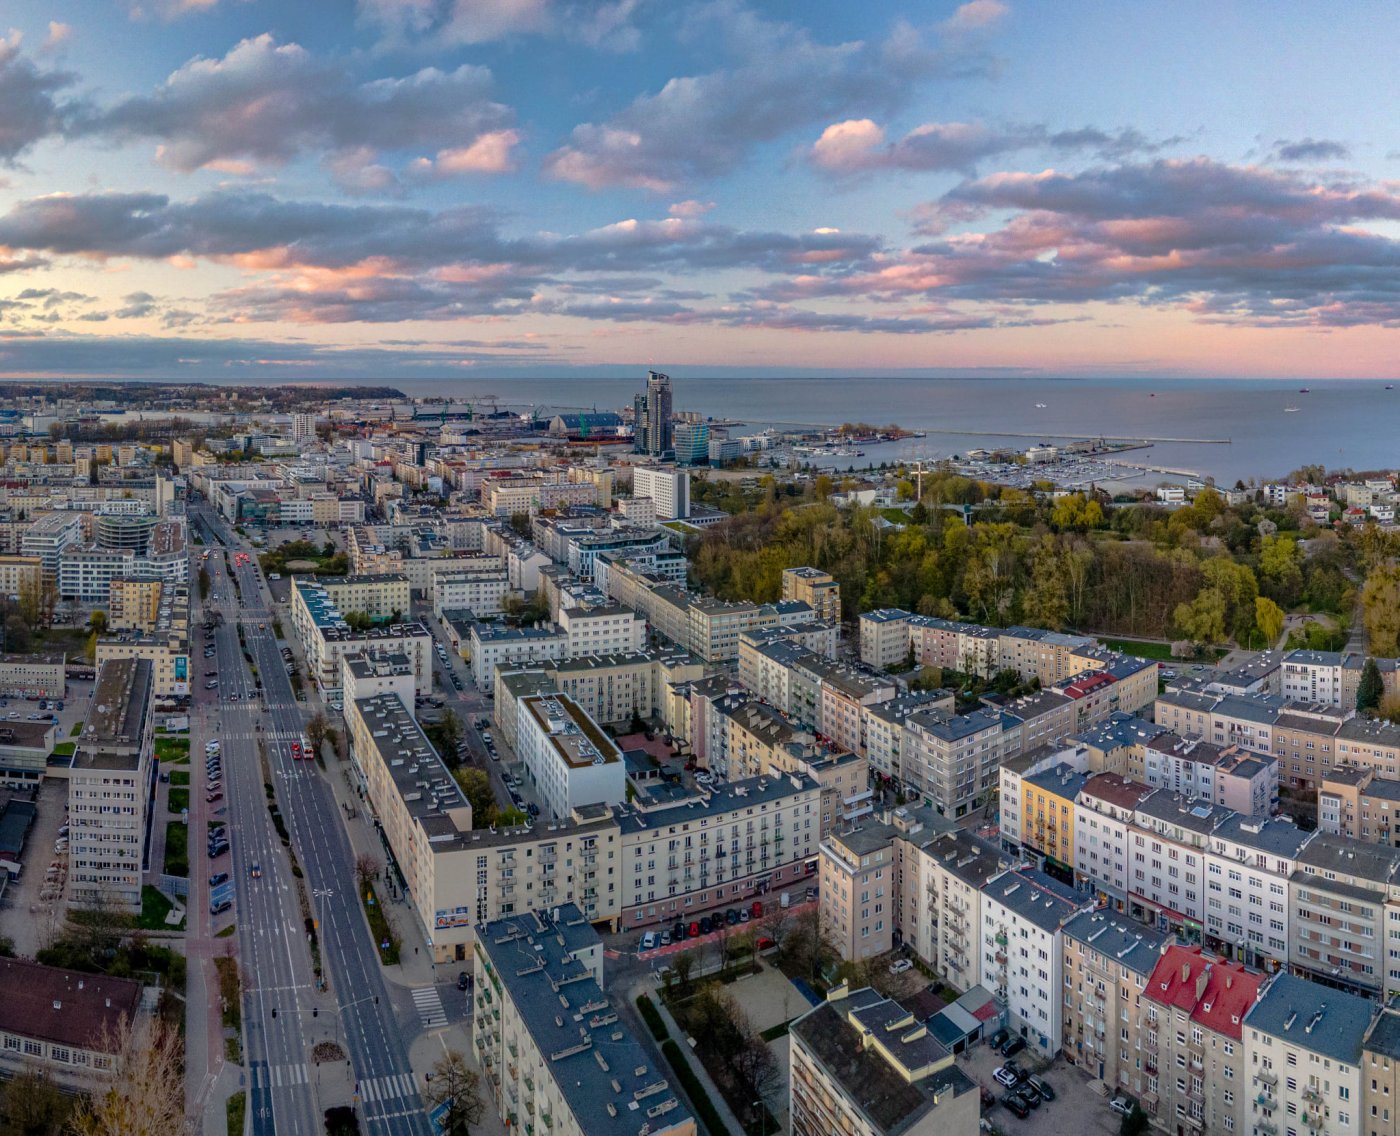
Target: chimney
point(1185, 971)
point(57, 1005)
point(1201, 980)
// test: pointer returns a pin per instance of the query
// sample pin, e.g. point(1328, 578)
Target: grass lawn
point(177, 856)
point(179, 800)
point(172, 750)
point(154, 908)
point(235, 1106)
point(227, 932)
point(180, 777)
point(1159, 651)
point(76, 730)
point(379, 928)
point(65, 749)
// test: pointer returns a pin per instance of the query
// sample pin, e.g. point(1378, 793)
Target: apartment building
point(456, 876)
point(1033, 652)
point(1313, 676)
point(734, 842)
point(610, 688)
point(133, 602)
point(1190, 1035)
point(1103, 820)
point(859, 890)
point(32, 676)
point(507, 496)
point(713, 627)
point(941, 882)
point(884, 638)
point(1108, 961)
point(1339, 902)
point(1380, 1075)
point(882, 727)
point(1024, 912)
point(1248, 863)
point(59, 1023)
point(109, 788)
point(384, 597)
point(607, 629)
point(952, 760)
point(48, 536)
point(1357, 804)
point(326, 639)
point(1048, 809)
point(668, 486)
point(496, 645)
point(569, 760)
point(482, 592)
point(548, 1039)
point(1167, 883)
point(863, 1065)
point(1224, 775)
point(1303, 1053)
point(818, 589)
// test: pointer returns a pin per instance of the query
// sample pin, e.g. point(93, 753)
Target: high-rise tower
point(652, 416)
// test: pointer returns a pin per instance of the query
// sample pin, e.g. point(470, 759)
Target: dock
point(1080, 437)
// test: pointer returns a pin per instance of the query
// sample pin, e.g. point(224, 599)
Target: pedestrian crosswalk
point(429, 1006)
point(388, 1088)
point(278, 1076)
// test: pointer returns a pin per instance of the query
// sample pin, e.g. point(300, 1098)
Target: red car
point(757, 910)
point(296, 749)
point(694, 930)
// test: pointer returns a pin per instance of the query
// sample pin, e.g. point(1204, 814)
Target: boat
point(1040, 406)
point(1389, 387)
point(1152, 395)
point(1290, 410)
point(1304, 390)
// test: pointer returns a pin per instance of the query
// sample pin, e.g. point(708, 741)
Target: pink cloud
point(489, 154)
point(976, 14)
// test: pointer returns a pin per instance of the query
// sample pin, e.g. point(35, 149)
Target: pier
point(1079, 437)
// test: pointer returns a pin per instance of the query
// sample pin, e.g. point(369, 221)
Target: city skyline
point(398, 189)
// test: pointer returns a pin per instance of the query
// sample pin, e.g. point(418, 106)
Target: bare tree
point(776, 924)
point(458, 1087)
point(754, 1068)
point(367, 869)
point(316, 733)
point(32, 1104)
point(146, 1093)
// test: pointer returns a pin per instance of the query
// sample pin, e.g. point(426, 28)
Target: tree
point(98, 622)
point(146, 1095)
point(203, 583)
point(1203, 619)
point(446, 736)
point(1135, 1123)
point(1380, 608)
point(367, 869)
point(316, 733)
point(476, 787)
point(520, 522)
point(1268, 616)
point(32, 1105)
point(682, 965)
point(1371, 689)
point(358, 620)
point(457, 1088)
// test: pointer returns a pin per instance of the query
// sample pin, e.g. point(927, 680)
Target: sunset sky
point(257, 189)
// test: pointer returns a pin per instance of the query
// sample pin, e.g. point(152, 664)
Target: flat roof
point(116, 722)
point(575, 737)
point(422, 781)
point(729, 796)
point(1312, 1017)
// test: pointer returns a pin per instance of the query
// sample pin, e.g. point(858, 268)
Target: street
point(277, 973)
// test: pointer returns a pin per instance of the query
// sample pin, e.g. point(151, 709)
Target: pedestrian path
point(382, 1090)
point(429, 1006)
point(276, 1076)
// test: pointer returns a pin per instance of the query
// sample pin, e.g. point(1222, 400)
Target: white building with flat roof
point(567, 757)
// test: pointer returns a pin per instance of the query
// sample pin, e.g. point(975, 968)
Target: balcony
point(1266, 1100)
point(1311, 1095)
point(1196, 1122)
point(1265, 1127)
point(1265, 1077)
point(1196, 1064)
point(1148, 1045)
point(1001, 938)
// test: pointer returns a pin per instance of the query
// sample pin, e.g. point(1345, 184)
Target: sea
point(1228, 429)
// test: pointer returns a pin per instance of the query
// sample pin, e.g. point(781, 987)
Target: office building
point(692, 441)
point(667, 486)
point(651, 416)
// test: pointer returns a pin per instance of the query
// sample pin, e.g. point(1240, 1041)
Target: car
point(210, 798)
point(494, 755)
point(218, 907)
point(757, 910)
point(214, 786)
point(1015, 1104)
point(1042, 1087)
point(744, 915)
point(533, 809)
point(1004, 1076)
point(296, 749)
point(1028, 1094)
point(234, 696)
point(217, 850)
point(649, 941)
point(764, 943)
point(211, 744)
point(1122, 1106)
point(706, 925)
point(677, 932)
point(693, 931)
point(463, 980)
point(1013, 1046)
point(704, 778)
point(731, 917)
point(899, 966)
point(998, 1039)
point(988, 1098)
point(218, 878)
point(211, 684)
point(665, 939)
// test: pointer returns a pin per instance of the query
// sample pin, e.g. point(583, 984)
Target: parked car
point(220, 906)
point(665, 939)
point(678, 933)
point(649, 941)
point(210, 798)
point(463, 980)
point(1004, 1076)
point(1121, 1105)
point(1042, 1087)
point(217, 850)
point(693, 931)
point(1028, 1094)
point(998, 1039)
point(218, 878)
point(899, 966)
point(1015, 1104)
point(731, 917)
point(757, 910)
point(1013, 1046)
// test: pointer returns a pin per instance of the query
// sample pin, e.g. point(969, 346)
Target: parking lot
point(31, 914)
point(1076, 1110)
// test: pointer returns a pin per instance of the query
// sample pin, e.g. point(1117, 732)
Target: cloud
point(976, 15)
point(1240, 244)
point(596, 23)
point(29, 107)
point(1310, 150)
point(691, 208)
point(705, 125)
point(858, 145)
point(58, 35)
point(266, 102)
point(489, 154)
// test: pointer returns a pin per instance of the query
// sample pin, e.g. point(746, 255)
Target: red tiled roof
point(1081, 686)
point(1115, 789)
point(1216, 993)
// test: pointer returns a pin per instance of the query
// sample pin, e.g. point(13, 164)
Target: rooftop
point(605, 1077)
point(1384, 1036)
point(1313, 1017)
point(1035, 897)
point(1214, 992)
point(63, 1006)
point(429, 792)
point(575, 737)
point(1127, 942)
point(116, 723)
point(724, 797)
point(862, 1041)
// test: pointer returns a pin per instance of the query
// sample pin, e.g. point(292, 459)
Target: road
point(388, 1099)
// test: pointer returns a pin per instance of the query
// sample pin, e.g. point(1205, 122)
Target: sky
point(256, 190)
